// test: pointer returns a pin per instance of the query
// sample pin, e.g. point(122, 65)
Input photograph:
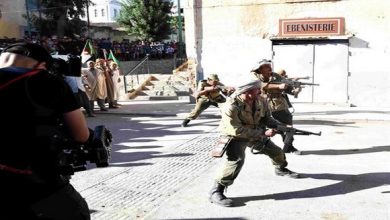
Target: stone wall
point(162, 66)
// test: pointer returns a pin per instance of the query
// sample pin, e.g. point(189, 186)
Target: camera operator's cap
point(261, 63)
point(213, 77)
point(33, 51)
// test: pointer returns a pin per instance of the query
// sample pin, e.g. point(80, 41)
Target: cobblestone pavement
point(135, 184)
point(162, 171)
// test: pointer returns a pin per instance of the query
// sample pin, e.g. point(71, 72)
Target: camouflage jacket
point(243, 121)
point(212, 96)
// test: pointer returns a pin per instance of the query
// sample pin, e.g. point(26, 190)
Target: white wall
point(225, 37)
point(108, 6)
point(12, 22)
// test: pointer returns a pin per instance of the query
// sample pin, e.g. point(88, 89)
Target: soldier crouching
point(210, 92)
point(245, 118)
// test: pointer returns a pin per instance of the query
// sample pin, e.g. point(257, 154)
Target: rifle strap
point(14, 80)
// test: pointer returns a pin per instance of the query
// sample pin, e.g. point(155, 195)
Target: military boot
point(283, 171)
point(291, 149)
point(217, 196)
point(185, 122)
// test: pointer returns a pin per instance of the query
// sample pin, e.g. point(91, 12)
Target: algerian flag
point(88, 51)
point(111, 56)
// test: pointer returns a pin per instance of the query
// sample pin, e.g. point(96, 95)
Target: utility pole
point(40, 18)
point(180, 28)
point(28, 19)
point(88, 18)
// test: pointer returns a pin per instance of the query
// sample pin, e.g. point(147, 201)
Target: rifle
point(298, 78)
point(289, 133)
point(221, 90)
point(295, 131)
point(295, 83)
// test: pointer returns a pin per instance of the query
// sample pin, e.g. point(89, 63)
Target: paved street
point(162, 171)
point(152, 158)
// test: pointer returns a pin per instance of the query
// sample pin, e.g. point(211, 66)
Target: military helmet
point(213, 77)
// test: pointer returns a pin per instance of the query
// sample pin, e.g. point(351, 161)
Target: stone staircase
point(159, 87)
point(176, 86)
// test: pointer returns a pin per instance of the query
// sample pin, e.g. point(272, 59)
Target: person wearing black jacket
point(35, 103)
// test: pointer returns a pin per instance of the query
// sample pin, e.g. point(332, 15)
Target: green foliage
point(60, 17)
point(146, 19)
point(174, 22)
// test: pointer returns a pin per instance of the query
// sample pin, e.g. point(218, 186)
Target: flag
point(88, 51)
point(111, 56)
point(104, 53)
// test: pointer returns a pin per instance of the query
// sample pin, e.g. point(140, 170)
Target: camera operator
point(35, 102)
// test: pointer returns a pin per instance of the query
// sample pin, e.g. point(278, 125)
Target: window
point(115, 13)
point(96, 14)
point(102, 12)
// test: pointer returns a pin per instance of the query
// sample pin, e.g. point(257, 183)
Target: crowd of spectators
point(124, 50)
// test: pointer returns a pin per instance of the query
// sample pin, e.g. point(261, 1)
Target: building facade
point(342, 45)
point(104, 11)
point(13, 24)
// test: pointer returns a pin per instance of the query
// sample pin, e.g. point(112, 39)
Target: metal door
point(331, 72)
point(297, 60)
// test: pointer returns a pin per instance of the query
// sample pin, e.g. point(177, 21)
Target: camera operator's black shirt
point(30, 112)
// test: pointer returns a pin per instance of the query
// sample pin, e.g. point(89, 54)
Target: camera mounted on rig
point(66, 65)
point(73, 157)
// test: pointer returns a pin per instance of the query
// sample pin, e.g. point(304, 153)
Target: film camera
point(73, 157)
point(66, 65)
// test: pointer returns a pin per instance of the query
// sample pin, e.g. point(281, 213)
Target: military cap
point(33, 51)
point(213, 77)
point(260, 63)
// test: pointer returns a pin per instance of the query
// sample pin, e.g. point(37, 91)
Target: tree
point(60, 17)
point(146, 19)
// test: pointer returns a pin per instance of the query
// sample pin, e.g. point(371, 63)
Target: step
point(163, 98)
point(183, 93)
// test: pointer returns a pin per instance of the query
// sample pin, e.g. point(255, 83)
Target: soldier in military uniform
point(246, 119)
point(294, 91)
point(273, 90)
point(210, 92)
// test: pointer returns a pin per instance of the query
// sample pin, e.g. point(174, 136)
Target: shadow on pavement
point(348, 184)
point(130, 132)
point(129, 158)
point(324, 122)
point(235, 218)
point(341, 112)
point(373, 149)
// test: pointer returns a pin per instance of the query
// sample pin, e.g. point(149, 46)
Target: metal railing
point(136, 71)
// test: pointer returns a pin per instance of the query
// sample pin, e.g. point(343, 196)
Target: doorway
point(325, 62)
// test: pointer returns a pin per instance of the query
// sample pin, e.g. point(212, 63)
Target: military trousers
point(201, 105)
point(235, 157)
point(285, 117)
